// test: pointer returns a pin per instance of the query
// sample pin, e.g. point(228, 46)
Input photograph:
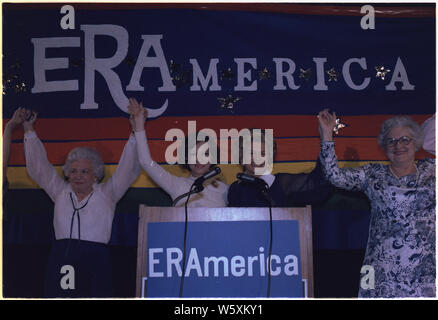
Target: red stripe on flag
point(283, 126)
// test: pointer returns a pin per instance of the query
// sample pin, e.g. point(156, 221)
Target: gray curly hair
point(88, 153)
point(401, 121)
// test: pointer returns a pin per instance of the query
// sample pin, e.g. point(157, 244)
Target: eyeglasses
point(404, 141)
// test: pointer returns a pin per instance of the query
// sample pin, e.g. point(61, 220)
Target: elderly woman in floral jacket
point(400, 255)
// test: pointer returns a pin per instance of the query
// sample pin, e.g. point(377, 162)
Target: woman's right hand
point(327, 123)
point(138, 114)
point(17, 118)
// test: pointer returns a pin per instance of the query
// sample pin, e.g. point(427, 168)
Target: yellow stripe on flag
point(19, 179)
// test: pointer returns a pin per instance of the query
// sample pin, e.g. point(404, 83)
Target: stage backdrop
point(225, 66)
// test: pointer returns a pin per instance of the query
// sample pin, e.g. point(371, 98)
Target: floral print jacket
point(401, 241)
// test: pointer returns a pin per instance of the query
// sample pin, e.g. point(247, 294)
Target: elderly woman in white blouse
point(401, 242)
point(215, 192)
point(80, 263)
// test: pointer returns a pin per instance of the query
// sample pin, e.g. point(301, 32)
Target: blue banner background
point(205, 35)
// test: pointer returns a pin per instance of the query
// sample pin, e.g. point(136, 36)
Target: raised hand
point(327, 123)
point(29, 119)
point(17, 118)
point(138, 114)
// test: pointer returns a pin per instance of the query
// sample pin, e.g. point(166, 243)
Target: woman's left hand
point(28, 124)
point(326, 123)
point(138, 114)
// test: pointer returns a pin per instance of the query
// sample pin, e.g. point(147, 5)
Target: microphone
point(197, 185)
point(210, 174)
point(251, 179)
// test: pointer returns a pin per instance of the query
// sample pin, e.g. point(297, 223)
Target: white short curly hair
point(81, 153)
point(401, 121)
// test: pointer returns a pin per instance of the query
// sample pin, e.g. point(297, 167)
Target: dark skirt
point(78, 269)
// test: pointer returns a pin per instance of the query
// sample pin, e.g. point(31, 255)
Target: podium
point(220, 219)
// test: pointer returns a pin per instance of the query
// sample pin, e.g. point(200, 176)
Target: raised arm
point(164, 179)
point(307, 188)
point(347, 178)
point(37, 164)
point(16, 120)
point(428, 128)
point(126, 172)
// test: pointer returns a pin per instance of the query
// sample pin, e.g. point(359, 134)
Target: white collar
point(268, 178)
point(95, 185)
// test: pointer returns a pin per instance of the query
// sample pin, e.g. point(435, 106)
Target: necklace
point(410, 184)
point(75, 213)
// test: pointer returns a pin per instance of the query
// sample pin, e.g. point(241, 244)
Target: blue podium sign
point(223, 259)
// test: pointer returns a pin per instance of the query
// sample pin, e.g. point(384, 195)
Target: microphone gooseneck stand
point(183, 271)
point(186, 194)
point(196, 187)
point(198, 183)
point(263, 187)
point(265, 193)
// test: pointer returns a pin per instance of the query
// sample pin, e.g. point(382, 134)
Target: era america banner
point(266, 66)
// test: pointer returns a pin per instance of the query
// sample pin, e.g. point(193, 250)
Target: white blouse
point(96, 217)
point(212, 196)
